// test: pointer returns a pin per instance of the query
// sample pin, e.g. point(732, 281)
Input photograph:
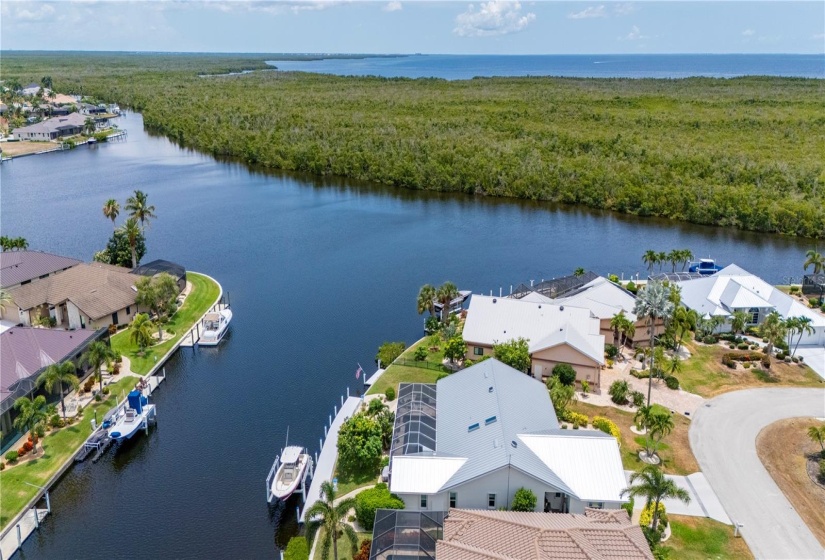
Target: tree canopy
point(118, 251)
point(515, 353)
point(360, 444)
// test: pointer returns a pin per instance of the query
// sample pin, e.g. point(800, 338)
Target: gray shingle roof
point(19, 266)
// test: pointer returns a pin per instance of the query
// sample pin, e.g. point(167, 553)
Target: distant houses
point(52, 128)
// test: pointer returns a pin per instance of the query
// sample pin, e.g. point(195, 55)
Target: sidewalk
point(703, 500)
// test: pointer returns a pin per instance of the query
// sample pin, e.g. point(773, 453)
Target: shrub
point(640, 374)
point(431, 325)
point(55, 421)
point(610, 351)
point(672, 382)
point(21, 451)
point(795, 360)
point(565, 373)
point(618, 391)
point(585, 386)
point(710, 339)
point(80, 410)
point(628, 507)
point(821, 468)
point(420, 354)
point(732, 346)
point(441, 376)
point(359, 444)
point(390, 394)
point(368, 501)
point(112, 329)
point(389, 351)
point(647, 515)
point(631, 287)
point(747, 365)
point(98, 398)
point(90, 382)
point(613, 278)
point(609, 364)
point(39, 431)
point(794, 289)
point(11, 456)
point(780, 355)
point(28, 446)
point(297, 549)
point(105, 390)
point(576, 418)
point(638, 398)
point(743, 346)
point(364, 552)
point(607, 426)
point(765, 360)
point(524, 500)
point(2, 466)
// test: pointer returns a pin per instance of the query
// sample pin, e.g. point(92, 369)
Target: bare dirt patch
point(13, 149)
point(783, 448)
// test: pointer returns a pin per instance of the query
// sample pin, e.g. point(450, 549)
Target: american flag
point(358, 372)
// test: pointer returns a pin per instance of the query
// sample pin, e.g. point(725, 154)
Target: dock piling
point(36, 518)
point(342, 397)
point(335, 408)
point(19, 537)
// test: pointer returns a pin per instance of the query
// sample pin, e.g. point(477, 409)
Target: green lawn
point(344, 551)
point(347, 482)
point(696, 538)
point(58, 446)
point(201, 298)
point(396, 374)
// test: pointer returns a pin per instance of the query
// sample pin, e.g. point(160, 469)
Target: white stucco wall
point(74, 315)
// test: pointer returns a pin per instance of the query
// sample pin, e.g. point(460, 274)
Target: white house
point(555, 333)
point(735, 289)
point(480, 434)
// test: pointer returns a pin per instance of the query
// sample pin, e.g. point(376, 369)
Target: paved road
point(723, 438)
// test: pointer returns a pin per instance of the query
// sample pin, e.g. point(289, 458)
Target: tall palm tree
point(32, 413)
point(142, 330)
point(57, 375)
point(738, 321)
point(650, 258)
point(654, 487)
point(446, 293)
point(5, 299)
point(659, 425)
point(815, 259)
point(97, 354)
point(111, 209)
point(332, 518)
point(773, 329)
point(803, 326)
point(616, 324)
point(687, 256)
point(132, 232)
point(791, 325)
point(642, 416)
point(661, 259)
point(426, 299)
point(138, 208)
point(653, 303)
point(673, 258)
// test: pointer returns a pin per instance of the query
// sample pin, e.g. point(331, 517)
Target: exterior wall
point(11, 313)
point(642, 335)
point(586, 368)
point(74, 316)
point(471, 346)
point(122, 318)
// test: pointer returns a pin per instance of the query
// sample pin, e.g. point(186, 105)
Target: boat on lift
point(129, 418)
point(215, 325)
point(705, 267)
point(294, 461)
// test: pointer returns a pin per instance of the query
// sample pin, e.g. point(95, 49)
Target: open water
point(461, 67)
point(320, 272)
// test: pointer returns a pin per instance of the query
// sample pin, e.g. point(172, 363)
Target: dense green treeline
point(746, 152)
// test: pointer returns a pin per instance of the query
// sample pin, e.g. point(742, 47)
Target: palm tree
point(650, 258)
point(817, 435)
point(579, 272)
point(111, 209)
point(659, 425)
point(97, 354)
point(616, 323)
point(32, 413)
point(89, 126)
point(5, 299)
point(773, 329)
point(131, 230)
point(654, 487)
point(325, 513)
point(674, 365)
point(426, 299)
point(138, 208)
point(815, 259)
point(57, 375)
point(803, 326)
point(687, 256)
point(738, 321)
point(446, 293)
point(673, 258)
point(642, 416)
point(661, 259)
point(653, 303)
point(142, 329)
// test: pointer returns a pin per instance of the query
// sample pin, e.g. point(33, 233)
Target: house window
point(114, 318)
point(491, 501)
point(453, 499)
point(595, 505)
point(754, 315)
point(128, 310)
point(478, 351)
point(423, 501)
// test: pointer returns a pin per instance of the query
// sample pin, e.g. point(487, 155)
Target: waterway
point(320, 273)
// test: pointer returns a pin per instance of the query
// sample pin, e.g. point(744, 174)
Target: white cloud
point(496, 17)
point(589, 12)
point(46, 11)
point(624, 8)
point(393, 6)
point(748, 32)
point(818, 36)
point(634, 35)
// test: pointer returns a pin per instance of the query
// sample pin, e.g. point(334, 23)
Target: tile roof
point(19, 266)
point(597, 535)
point(96, 289)
point(54, 124)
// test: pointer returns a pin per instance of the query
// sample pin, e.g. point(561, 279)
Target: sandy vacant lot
point(782, 448)
point(12, 149)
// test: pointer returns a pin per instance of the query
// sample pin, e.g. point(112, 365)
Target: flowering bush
point(607, 426)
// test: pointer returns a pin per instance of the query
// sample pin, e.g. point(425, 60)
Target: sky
point(415, 26)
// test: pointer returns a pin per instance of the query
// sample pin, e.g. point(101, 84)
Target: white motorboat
point(130, 418)
point(289, 472)
point(214, 327)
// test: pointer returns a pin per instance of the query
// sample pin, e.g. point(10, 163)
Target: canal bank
point(24, 522)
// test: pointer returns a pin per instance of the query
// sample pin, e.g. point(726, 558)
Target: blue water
point(460, 67)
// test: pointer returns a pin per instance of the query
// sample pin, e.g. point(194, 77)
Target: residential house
point(33, 89)
point(19, 268)
point(478, 435)
point(735, 289)
point(53, 128)
point(555, 333)
point(25, 352)
point(88, 295)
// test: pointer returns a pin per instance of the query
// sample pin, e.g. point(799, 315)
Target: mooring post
point(48, 503)
point(335, 408)
point(342, 404)
point(325, 430)
point(36, 518)
point(330, 421)
point(298, 514)
point(342, 398)
point(19, 537)
point(316, 462)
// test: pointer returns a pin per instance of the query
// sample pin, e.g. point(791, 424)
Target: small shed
point(153, 268)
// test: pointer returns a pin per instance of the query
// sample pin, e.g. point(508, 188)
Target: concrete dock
point(17, 534)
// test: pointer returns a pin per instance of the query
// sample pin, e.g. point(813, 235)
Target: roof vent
point(539, 306)
point(514, 444)
point(490, 389)
point(561, 308)
point(473, 427)
point(494, 300)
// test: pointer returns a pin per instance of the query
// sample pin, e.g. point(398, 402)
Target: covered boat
point(290, 473)
point(128, 419)
point(215, 325)
point(705, 267)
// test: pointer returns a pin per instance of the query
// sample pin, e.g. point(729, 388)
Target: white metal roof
point(535, 297)
point(417, 474)
point(603, 298)
point(588, 461)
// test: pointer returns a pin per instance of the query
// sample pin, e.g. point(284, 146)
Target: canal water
point(320, 272)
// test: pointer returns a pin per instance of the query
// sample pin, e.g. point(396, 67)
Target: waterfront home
point(471, 534)
point(478, 435)
point(18, 268)
point(87, 295)
point(53, 128)
point(555, 333)
point(25, 352)
point(735, 289)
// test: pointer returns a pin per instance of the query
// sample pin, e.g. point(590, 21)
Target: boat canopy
point(212, 317)
point(291, 454)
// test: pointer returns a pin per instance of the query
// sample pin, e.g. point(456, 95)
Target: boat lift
point(302, 487)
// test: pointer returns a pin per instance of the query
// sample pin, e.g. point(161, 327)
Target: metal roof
point(415, 419)
point(19, 266)
point(423, 474)
point(406, 534)
point(603, 298)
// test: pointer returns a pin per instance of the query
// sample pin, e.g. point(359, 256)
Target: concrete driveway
point(814, 357)
point(723, 438)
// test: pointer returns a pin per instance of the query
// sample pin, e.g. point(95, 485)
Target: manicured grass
point(696, 538)
point(396, 374)
point(347, 482)
point(200, 299)
point(705, 375)
point(344, 550)
point(58, 447)
point(675, 452)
